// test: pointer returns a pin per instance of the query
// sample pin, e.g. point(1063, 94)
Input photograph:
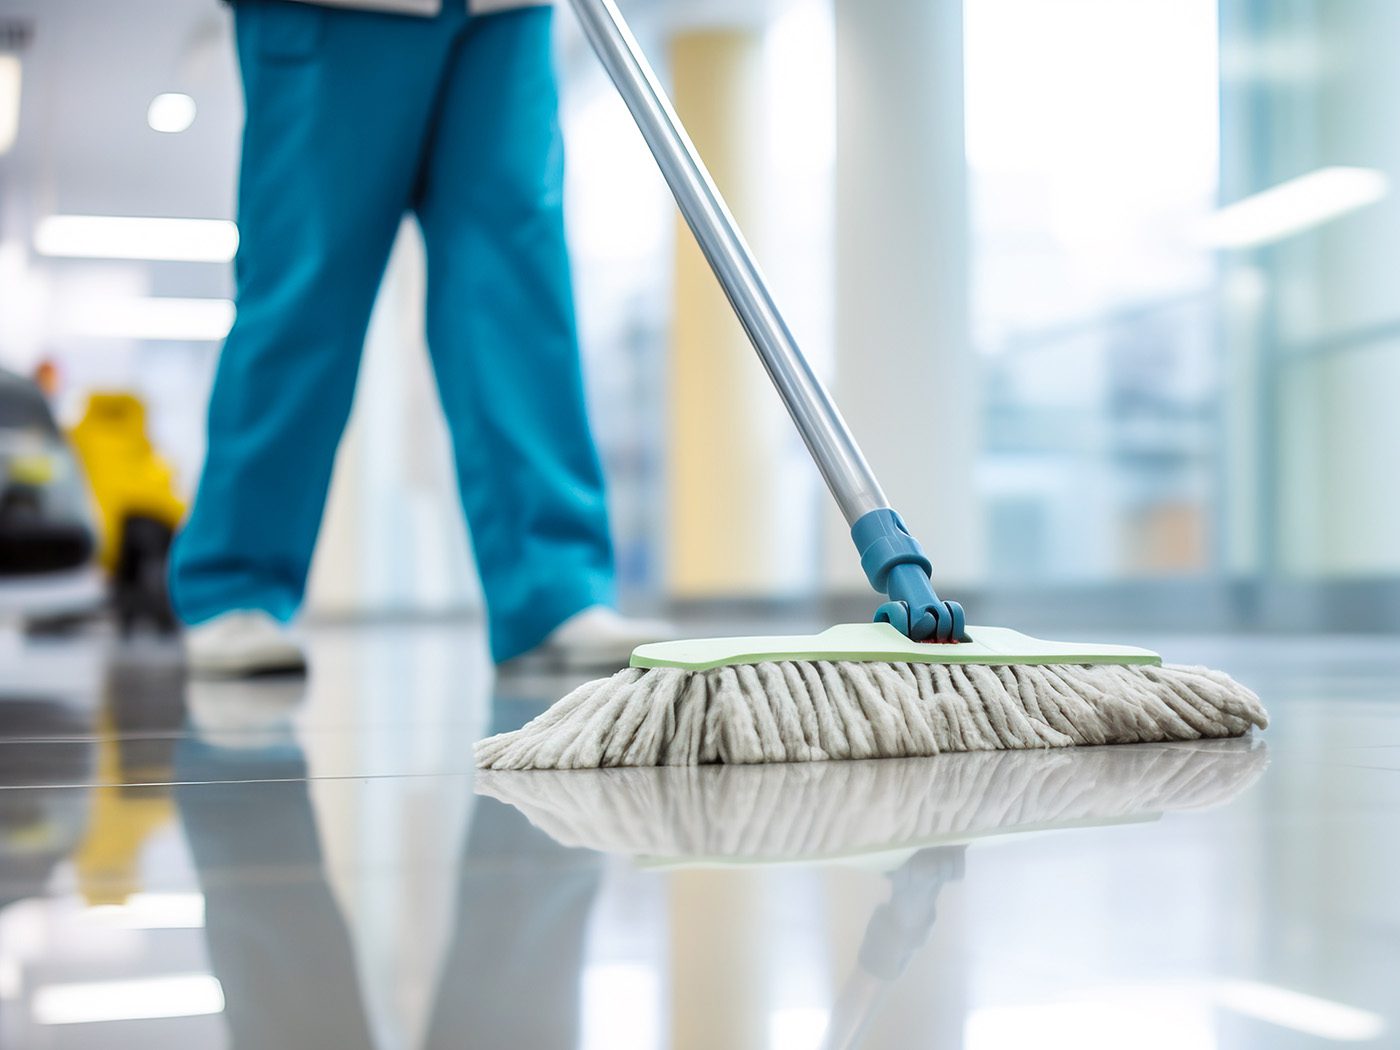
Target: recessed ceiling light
point(171, 113)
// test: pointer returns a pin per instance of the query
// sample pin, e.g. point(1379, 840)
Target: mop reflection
point(913, 818)
point(896, 931)
point(277, 939)
point(815, 811)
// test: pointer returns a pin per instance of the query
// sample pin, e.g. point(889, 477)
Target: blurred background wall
point(1108, 290)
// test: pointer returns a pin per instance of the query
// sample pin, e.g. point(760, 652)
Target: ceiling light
point(9, 101)
point(1146, 1019)
point(171, 113)
point(1294, 206)
point(123, 237)
point(181, 995)
point(796, 1027)
point(1175, 1015)
point(152, 911)
point(175, 320)
point(1323, 1018)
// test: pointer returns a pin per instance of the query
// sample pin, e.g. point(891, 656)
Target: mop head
point(862, 691)
point(838, 811)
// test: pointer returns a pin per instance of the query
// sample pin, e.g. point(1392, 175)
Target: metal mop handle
point(892, 559)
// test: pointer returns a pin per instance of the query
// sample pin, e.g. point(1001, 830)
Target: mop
point(918, 680)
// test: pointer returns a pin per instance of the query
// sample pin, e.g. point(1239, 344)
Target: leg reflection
point(515, 963)
point(277, 940)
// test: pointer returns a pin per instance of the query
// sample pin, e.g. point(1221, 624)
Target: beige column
point(904, 370)
point(726, 425)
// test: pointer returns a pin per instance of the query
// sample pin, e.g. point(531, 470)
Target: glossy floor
point(287, 865)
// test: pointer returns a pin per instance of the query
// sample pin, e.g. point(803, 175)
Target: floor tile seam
point(248, 780)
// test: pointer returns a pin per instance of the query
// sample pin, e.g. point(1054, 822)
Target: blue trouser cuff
point(527, 622)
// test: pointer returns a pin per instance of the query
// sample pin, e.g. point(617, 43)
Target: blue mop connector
point(896, 565)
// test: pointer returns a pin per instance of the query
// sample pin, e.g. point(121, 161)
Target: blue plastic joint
point(896, 565)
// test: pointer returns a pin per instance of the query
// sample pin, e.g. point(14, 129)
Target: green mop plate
point(881, 643)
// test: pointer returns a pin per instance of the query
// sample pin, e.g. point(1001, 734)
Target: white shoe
point(246, 642)
point(600, 637)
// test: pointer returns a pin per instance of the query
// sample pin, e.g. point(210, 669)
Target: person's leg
point(502, 334)
point(338, 107)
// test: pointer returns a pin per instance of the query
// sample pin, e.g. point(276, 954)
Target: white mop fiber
point(841, 809)
point(804, 711)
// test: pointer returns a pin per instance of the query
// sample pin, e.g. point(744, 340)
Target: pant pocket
point(286, 30)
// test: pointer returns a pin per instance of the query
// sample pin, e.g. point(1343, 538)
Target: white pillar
point(905, 378)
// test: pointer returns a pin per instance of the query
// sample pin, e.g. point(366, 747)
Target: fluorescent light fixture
point(180, 995)
point(1294, 206)
point(152, 911)
point(621, 1007)
point(124, 237)
point(11, 977)
point(1148, 1019)
point(175, 320)
point(1304, 1013)
point(1171, 1016)
point(9, 101)
point(171, 112)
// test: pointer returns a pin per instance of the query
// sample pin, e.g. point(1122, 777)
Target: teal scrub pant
point(353, 119)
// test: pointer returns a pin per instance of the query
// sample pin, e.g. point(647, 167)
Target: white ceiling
point(90, 72)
